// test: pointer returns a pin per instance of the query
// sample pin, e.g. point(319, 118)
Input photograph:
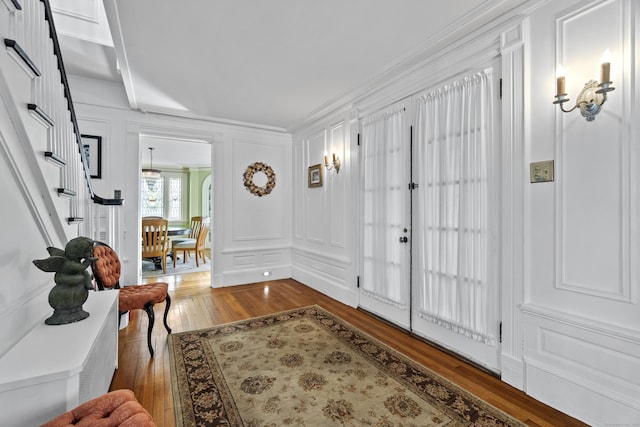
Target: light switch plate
point(541, 171)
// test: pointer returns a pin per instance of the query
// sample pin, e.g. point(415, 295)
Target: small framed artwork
point(315, 175)
point(92, 150)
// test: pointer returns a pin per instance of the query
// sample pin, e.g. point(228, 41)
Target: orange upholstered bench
point(116, 408)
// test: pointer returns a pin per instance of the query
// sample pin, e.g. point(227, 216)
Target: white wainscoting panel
point(593, 169)
point(326, 274)
point(82, 19)
point(272, 258)
point(589, 360)
point(336, 184)
point(254, 265)
point(315, 206)
point(259, 218)
point(300, 176)
point(244, 260)
point(512, 47)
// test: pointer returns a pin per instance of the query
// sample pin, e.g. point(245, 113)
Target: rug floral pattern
point(307, 367)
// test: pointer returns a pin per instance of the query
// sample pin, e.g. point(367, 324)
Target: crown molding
point(486, 20)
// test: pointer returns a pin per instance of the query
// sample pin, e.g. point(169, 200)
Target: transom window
point(165, 196)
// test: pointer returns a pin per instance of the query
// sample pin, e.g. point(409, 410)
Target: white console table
point(55, 368)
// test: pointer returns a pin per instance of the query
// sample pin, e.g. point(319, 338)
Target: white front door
point(429, 254)
point(455, 276)
point(385, 281)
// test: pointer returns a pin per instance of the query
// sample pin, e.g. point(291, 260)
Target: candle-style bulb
point(326, 159)
point(560, 73)
point(605, 68)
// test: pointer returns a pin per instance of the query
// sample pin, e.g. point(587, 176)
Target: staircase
point(46, 193)
point(40, 90)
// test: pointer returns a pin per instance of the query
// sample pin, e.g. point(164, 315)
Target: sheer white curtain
point(385, 164)
point(454, 232)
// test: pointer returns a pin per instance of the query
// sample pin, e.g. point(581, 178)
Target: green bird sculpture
point(72, 280)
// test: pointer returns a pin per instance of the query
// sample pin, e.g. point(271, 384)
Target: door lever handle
point(404, 239)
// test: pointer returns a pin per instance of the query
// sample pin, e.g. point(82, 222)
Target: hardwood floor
point(195, 306)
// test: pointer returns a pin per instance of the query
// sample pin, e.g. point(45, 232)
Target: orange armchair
point(106, 270)
point(116, 408)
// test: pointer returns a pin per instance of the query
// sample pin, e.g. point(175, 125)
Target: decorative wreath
point(248, 179)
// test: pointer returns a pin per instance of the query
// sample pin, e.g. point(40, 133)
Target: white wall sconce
point(590, 99)
point(335, 163)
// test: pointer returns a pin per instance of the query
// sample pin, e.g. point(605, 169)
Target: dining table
point(172, 231)
point(177, 230)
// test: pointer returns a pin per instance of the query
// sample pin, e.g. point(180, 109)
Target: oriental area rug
point(307, 367)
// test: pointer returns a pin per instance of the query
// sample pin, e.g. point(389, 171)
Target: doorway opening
point(177, 195)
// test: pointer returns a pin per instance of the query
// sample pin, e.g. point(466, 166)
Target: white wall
point(580, 300)
point(323, 216)
point(570, 248)
point(254, 236)
point(250, 234)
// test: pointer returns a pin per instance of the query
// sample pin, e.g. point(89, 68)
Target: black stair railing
point(67, 93)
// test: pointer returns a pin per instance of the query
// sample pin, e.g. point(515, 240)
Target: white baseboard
point(252, 275)
point(332, 289)
point(512, 371)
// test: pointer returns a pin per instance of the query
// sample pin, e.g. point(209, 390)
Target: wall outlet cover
point(541, 171)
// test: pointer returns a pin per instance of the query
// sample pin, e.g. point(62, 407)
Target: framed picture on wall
point(315, 175)
point(92, 151)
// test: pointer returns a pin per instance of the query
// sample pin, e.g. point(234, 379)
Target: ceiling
point(174, 153)
point(271, 64)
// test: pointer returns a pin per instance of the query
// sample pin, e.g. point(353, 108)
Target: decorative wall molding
point(252, 275)
point(273, 258)
point(488, 18)
point(337, 185)
point(240, 261)
point(330, 257)
point(33, 297)
point(267, 221)
point(586, 158)
point(590, 358)
point(513, 37)
point(85, 10)
point(512, 243)
point(580, 322)
point(314, 204)
point(545, 385)
point(255, 248)
point(321, 266)
point(325, 273)
point(299, 187)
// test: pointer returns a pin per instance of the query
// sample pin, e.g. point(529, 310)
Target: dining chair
point(155, 241)
point(106, 271)
point(197, 244)
point(196, 222)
